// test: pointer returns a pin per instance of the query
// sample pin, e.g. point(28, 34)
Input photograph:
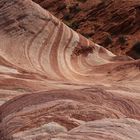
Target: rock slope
point(113, 24)
point(57, 85)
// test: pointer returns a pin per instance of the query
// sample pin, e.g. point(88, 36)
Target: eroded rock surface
point(57, 85)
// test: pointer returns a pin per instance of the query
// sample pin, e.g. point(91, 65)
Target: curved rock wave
point(56, 84)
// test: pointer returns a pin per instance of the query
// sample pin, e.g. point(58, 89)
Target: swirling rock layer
point(56, 84)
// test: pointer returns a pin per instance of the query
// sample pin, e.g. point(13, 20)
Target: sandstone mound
point(56, 84)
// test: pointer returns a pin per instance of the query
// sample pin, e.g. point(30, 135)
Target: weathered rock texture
point(115, 24)
point(57, 85)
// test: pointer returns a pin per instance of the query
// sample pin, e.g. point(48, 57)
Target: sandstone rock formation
point(111, 23)
point(57, 85)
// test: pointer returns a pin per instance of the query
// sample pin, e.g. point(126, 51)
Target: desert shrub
point(66, 16)
point(122, 40)
point(136, 47)
point(82, 0)
point(107, 41)
point(84, 50)
point(72, 24)
point(74, 8)
point(135, 51)
point(62, 6)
